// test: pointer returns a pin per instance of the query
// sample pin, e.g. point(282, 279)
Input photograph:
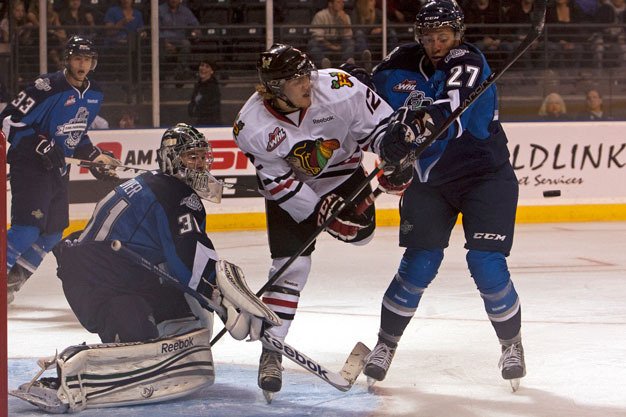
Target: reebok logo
point(323, 120)
point(177, 345)
point(294, 354)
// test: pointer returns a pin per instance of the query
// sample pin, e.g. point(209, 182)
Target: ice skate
point(512, 364)
point(270, 373)
point(378, 361)
point(43, 394)
point(16, 277)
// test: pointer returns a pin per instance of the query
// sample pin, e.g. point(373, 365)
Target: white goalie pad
point(118, 374)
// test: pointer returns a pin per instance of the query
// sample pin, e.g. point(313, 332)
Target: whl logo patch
point(276, 138)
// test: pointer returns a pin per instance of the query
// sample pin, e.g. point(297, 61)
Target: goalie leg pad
point(120, 374)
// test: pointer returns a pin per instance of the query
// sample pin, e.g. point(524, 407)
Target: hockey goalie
point(155, 339)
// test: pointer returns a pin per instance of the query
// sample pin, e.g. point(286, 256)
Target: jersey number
point(373, 101)
point(23, 103)
point(456, 72)
point(188, 224)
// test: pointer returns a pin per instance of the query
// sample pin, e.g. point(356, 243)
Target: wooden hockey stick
point(90, 164)
point(538, 20)
point(342, 380)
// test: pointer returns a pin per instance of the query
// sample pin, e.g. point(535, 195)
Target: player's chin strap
point(342, 380)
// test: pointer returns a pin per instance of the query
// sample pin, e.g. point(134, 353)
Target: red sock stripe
point(279, 302)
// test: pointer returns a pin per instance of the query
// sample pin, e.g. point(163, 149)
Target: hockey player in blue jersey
point(156, 339)
point(466, 171)
point(45, 123)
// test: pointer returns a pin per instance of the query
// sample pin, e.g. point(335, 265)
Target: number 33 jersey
point(302, 156)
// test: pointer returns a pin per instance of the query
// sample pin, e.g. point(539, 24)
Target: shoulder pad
point(405, 56)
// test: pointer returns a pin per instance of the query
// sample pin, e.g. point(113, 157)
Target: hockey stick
point(538, 19)
point(90, 164)
point(343, 380)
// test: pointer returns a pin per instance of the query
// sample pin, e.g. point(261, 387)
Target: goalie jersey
point(476, 142)
point(50, 106)
point(306, 154)
point(157, 216)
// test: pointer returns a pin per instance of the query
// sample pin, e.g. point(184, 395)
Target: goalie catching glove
point(406, 129)
point(246, 315)
point(346, 224)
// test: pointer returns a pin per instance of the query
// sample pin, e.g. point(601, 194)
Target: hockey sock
point(33, 256)
point(19, 239)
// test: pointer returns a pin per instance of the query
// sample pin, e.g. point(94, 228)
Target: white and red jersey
point(304, 155)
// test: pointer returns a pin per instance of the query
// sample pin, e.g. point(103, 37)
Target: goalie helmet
point(187, 155)
point(282, 63)
point(440, 13)
point(79, 45)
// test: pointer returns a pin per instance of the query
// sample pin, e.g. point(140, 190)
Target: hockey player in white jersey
point(305, 131)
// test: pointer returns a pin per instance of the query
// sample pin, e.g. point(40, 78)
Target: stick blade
point(355, 363)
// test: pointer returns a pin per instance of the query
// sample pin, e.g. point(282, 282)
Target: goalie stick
point(123, 168)
point(538, 18)
point(342, 380)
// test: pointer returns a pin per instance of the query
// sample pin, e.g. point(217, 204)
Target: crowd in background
point(338, 30)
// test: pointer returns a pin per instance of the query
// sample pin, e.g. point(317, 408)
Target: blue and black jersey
point(157, 216)
point(475, 143)
point(52, 107)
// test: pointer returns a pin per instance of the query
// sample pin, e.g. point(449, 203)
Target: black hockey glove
point(51, 155)
point(346, 225)
point(397, 180)
point(406, 129)
point(107, 161)
point(359, 73)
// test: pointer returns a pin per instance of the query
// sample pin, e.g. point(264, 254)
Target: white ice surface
point(571, 279)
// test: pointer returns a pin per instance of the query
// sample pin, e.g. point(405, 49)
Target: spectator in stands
point(4, 95)
point(173, 18)
point(332, 36)
point(401, 11)
point(205, 105)
point(368, 39)
point(610, 45)
point(75, 14)
point(57, 37)
point(24, 24)
point(125, 22)
point(487, 39)
point(129, 119)
point(593, 110)
point(565, 44)
point(553, 108)
point(519, 15)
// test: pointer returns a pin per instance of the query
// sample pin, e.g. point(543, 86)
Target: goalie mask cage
point(4, 383)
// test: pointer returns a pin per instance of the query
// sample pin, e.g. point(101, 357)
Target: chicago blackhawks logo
point(311, 156)
point(343, 80)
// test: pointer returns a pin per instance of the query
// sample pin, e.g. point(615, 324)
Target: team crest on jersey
point(38, 214)
point(74, 128)
point(43, 84)
point(70, 100)
point(311, 156)
point(455, 53)
point(237, 127)
point(405, 86)
point(193, 202)
point(266, 61)
point(276, 138)
point(417, 99)
point(406, 227)
point(343, 80)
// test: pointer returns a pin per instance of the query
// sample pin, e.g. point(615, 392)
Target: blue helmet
point(440, 13)
point(80, 45)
